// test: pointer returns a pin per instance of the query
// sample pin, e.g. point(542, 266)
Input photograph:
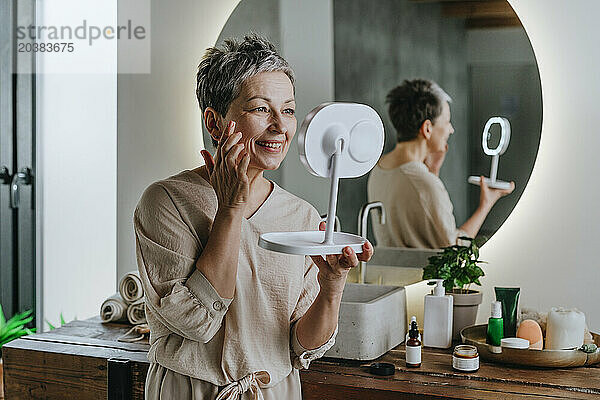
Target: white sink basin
point(372, 321)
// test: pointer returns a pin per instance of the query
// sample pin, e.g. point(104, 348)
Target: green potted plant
point(458, 266)
point(10, 330)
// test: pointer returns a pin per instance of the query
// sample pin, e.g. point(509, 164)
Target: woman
point(419, 210)
point(227, 317)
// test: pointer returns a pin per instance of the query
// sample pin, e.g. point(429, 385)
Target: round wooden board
point(475, 335)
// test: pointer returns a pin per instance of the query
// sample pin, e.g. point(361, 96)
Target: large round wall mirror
point(357, 51)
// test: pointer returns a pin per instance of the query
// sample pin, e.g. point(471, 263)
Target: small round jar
point(465, 358)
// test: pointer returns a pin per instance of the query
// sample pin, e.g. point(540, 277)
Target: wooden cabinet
point(83, 360)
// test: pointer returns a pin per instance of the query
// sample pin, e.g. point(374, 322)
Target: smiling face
point(441, 130)
point(264, 112)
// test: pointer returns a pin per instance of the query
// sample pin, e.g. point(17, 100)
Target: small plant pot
point(466, 305)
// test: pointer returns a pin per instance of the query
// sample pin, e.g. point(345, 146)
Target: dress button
point(217, 305)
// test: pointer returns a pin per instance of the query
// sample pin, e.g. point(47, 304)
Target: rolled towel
point(130, 287)
point(113, 309)
point(136, 314)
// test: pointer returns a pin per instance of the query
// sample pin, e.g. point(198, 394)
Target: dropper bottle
point(413, 346)
point(413, 318)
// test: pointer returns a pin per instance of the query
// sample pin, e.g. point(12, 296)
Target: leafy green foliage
point(62, 322)
point(15, 327)
point(457, 265)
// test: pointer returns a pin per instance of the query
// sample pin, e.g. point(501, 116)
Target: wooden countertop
point(326, 379)
point(436, 379)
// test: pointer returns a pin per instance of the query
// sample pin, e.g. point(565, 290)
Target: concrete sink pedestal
point(372, 321)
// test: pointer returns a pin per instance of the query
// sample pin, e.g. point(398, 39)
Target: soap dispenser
point(437, 327)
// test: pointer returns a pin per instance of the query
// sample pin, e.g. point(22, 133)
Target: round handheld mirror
point(336, 140)
point(495, 153)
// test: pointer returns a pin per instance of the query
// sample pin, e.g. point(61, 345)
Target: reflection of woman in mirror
point(418, 207)
point(228, 318)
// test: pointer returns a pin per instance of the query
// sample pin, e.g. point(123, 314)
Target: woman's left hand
point(334, 270)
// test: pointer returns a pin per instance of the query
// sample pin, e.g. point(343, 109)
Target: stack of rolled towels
point(127, 305)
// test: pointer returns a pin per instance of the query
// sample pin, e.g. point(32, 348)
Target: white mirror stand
point(336, 140)
point(492, 182)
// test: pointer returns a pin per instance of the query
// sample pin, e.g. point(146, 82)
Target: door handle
point(23, 177)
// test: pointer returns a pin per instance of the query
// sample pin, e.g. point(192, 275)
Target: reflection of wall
point(514, 93)
point(376, 48)
point(504, 81)
point(307, 44)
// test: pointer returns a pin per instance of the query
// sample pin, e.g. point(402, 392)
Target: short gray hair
point(222, 71)
point(412, 103)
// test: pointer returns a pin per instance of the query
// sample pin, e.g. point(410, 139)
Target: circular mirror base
point(309, 243)
point(494, 185)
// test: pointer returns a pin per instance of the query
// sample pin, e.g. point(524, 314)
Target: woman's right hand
point(489, 196)
point(228, 171)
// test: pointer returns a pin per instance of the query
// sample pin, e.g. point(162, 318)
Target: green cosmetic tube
point(509, 297)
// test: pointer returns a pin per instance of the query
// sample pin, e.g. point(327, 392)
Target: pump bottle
point(437, 327)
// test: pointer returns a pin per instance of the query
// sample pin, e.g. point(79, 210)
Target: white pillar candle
point(565, 329)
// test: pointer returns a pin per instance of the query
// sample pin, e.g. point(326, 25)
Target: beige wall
point(76, 198)
point(548, 246)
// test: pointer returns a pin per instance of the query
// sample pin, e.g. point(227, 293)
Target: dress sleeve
point(441, 214)
point(301, 357)
point(176, 291)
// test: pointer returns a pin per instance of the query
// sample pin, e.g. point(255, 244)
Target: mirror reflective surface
point(357, 51)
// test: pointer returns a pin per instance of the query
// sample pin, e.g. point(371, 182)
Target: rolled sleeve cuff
point(204, 291)
point(305, 356)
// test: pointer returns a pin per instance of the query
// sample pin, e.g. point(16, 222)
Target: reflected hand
point(489, 196)
point(334, 269)
point(228, 171)
point(435, 160)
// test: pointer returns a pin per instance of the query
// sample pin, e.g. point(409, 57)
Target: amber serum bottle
point(413, 347)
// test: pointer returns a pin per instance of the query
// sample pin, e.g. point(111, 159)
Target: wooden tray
point(475, 335)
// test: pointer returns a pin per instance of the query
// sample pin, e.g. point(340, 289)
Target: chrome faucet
point(363, 222)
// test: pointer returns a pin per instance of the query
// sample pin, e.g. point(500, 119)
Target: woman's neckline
point(197, 172)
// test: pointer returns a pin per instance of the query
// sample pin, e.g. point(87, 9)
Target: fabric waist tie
point(252, 381)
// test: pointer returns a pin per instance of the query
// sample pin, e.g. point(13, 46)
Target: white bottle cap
point(496, 309)
point(413, 318)
point(514, 343)
point(439, 289)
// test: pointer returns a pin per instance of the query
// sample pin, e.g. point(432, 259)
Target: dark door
point(17, 162)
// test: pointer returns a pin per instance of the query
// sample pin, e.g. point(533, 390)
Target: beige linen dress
point(418, 208)
point(204, 346)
